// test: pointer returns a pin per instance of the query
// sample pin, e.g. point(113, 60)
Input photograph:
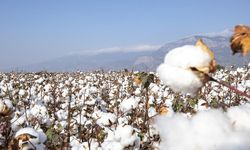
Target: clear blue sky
point(33, 31)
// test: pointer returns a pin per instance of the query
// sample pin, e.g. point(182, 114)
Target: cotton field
point(114, 111)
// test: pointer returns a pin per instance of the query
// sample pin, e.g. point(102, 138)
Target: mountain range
point(140, 60)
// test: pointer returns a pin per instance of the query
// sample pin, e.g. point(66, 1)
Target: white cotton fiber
point(178, 79)
point(207, 130)
point(106, 118)
point(126, 136)
point(175, 71)
point(240, 116)
point(29, 131)
point(128, 104)
point(187, 56)
point(247, 83)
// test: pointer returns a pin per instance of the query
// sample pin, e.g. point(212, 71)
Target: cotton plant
point(100, 103)
point(28, 138)
point(185, 68)
point(209, 129)
point(6, 110)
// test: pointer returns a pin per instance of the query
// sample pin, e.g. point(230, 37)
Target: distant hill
point(218, 42)
point(85, 62)
point(147, 61)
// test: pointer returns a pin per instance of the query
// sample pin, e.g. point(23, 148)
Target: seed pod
point(240, 41)
point(28, 138)
point(5, 107)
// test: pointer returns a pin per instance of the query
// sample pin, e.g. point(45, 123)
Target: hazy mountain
point(86, 62)
point(149, 60)
point(218, 42)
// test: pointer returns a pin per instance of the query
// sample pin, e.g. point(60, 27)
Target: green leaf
point(49, 133)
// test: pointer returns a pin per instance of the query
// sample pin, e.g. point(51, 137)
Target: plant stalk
point(230, 87)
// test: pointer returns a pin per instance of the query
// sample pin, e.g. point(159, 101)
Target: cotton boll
point(22, 92)
point(187, 56)
point(8, 103)
point(39, 81)
point(80, 119)
point(106, 118)
point(211, 124)
point(206, 130)
point(29, 138)
point(18, 121)
point(75, 144)
point(93, 90)
point(47, 87)
point(173, 131)
point(123, 120)
point(42, 135)
point(62, 115)
point(154, 88)
point(112, 145)
point(151, 112)
point(2, 105)
point(128, 104)
point(184, 67)
point(202, 105)
point(137, 91)
point(180, 80)
point(5, 107)
point(240, 117)
point(247, 83)
point(65, 92)
point(126, 136)
point(29, 131)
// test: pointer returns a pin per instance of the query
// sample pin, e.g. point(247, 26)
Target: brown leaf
point(240, 41)
point(137, 80)
point(205, 48)
point(163, 110)
point(212, 65)
point(5, 111)
point(202, 72)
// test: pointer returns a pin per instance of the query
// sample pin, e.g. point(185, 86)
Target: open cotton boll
point(179, 80)
point(5, 107)
point(247, 83)
point(8, 103)
point(28, 138)
point(187, 56)
point(126, 136)
point(2, 106)
point(112, 145)
point(106, 118)
point(206, 130)
point(240, 117)
point(128, 104)
point(178, 72)
point(29, 131)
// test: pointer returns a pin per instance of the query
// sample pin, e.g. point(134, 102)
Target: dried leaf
point(202, 72)
point(49, 133)
point(137, 80)
point(212, 65)
point(147, 79)
point(246, 45)
point(144, 78)
point(22, 138)
point(240, 41)
point(163, 110)
point(5, 111)
point(205, 48)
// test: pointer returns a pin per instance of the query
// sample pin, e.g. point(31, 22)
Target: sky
point(35, 31)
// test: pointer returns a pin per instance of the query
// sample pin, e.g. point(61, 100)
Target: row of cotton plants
point(104, 110)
